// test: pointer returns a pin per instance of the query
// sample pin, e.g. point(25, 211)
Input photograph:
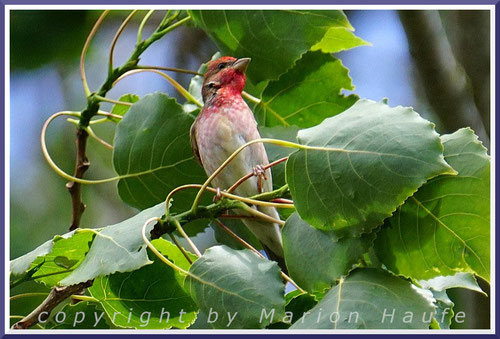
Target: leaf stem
point(249, 175)
point(84, 298)
point(143, 23)
point(115, 40)
point(84, 51)
point(116, 102)
point(93, 135)
point(171, 80)
point(171, 69)
point(174, 239)
point(154, 250)
point(27, 295)
point(188, 239)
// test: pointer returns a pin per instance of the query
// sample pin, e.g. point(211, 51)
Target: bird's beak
point(241, 64)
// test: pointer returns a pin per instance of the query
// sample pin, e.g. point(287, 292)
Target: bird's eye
point(211, 84)
point(222, 65)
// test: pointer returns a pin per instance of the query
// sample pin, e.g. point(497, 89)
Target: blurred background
point(436, 62)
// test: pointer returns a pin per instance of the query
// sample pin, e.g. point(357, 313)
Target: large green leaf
point(306, 94)
point(445, 227)
point(338, 39)
point(152, 152)
point(316, 259)
point(142, 298)
point(273, 39)
point(239, 286)
point(363, 298)
point(116, 248)
point(361, 165)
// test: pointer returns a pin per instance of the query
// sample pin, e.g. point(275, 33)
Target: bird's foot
point(260, 173)
point(218, 195)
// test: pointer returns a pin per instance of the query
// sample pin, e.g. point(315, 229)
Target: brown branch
point(81, 166)
point(55, 297)
point(249, 175)
point(445, 83)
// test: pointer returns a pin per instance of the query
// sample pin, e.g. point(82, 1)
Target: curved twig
point(115, 39)
point(171, 80)
point(249, 175)
point(84, 51)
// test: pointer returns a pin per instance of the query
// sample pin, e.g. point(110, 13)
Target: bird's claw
point(260, 173)
point(218, 195)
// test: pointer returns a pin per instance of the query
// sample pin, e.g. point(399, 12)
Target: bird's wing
point(194, 144)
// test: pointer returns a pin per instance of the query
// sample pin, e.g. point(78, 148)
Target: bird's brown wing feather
point(194, 144)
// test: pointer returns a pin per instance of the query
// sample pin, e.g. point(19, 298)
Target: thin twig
point(84, 51)
point(115, 39)
point(171, 80)
point(93, 135)
point(174, 239)
point(143, 23)
point(249, 175)
point(261, 215)
point(57, 295)
point(188, 239)
point(283, 143)
point(81, 166)
point(116, 102)
point(170, 69)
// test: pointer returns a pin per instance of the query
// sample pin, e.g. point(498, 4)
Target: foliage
point(387, 214)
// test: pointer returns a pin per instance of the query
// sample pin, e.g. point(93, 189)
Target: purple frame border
point(213, 2)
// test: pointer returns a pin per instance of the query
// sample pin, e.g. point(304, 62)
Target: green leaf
point(361, 165)
point(152, 153)
point(237, 285)
point(273, 39)
point(361, 300)
point(116, 248)
point(459, 280)
point(306, 94)
point(316, 259)
point(338, 39)
point(298, 303)
point(81, 316)
point(445, 227)
point(20, 265)
point(173, 253)
point(142, 298)
point(65, 255)
point(122, 109)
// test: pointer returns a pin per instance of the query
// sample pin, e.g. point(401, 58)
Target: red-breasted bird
point(224, 124)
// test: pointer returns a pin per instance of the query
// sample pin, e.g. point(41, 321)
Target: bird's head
point(225, 72)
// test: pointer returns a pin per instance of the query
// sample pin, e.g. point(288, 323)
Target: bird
point(224, 124)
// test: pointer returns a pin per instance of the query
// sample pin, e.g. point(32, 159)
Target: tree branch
point(212, 211)
point(55, 297)
point(81, 166)
point(445, 82)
